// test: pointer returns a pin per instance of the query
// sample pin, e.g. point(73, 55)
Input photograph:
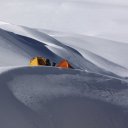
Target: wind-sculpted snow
point(17, 50)
point(107, 54)
point(94, 94)
point(83, 52)
point(28, 43)
point(52, 97)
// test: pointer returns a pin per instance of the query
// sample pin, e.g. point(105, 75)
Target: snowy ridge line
point(39, 95)
point(92, 57)
point(52, 97)
point(28, 48)
point(59, 34)
point(56, 49)
point(103, 53)
point(3, 23)
point(83, 84)
point(4, 70)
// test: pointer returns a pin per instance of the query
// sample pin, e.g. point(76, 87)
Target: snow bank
point(52, 97)
point(27, 43)
point(21, 49)
point(90, 17)
point(107, 54)
point(93, 95)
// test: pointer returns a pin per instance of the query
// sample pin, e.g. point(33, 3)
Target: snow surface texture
point(94, 95)
point(100, 18)
point(109, 58)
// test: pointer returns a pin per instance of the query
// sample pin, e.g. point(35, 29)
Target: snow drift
point(93, 95)
point(34, 42)
point(50, 97)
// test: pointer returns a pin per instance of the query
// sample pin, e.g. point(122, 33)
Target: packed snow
point(94, 94)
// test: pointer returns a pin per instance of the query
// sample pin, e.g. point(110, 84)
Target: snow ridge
point(92, 95)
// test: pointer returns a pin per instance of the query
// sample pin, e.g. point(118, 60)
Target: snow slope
point(94, 95)
point(102, 18)
point(54, 98)
point(111, 50)
point(77, 53)
point(107, 54)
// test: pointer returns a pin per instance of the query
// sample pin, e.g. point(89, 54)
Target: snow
point(54, 97)
point(100, 18)
point(109, 56)
point(3, 23)
point(39, 45)
point(92, 95)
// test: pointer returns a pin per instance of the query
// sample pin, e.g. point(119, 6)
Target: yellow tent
point(37, 61)
point(40, 61)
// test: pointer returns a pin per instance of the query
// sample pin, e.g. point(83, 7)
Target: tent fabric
point(42, 61)
point(37, 61)
point(64, 64)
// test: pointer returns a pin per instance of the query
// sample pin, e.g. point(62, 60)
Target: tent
point(64, 64)
point(37, 61)
point(42, 61)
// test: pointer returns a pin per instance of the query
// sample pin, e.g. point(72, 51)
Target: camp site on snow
point(42, 61)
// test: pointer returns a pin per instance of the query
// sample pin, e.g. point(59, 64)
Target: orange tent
point(64, 64)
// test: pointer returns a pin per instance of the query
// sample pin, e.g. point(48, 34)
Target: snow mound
point(21, 49)
point(107, 54)
point(27, 43)
point(94, 94)
point(52, 97)
point(3, 23)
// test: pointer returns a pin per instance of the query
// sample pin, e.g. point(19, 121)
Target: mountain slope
point(52, 97)
point(27, 48)
point(93, 95)
point(34, 42)
point(111, 50)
